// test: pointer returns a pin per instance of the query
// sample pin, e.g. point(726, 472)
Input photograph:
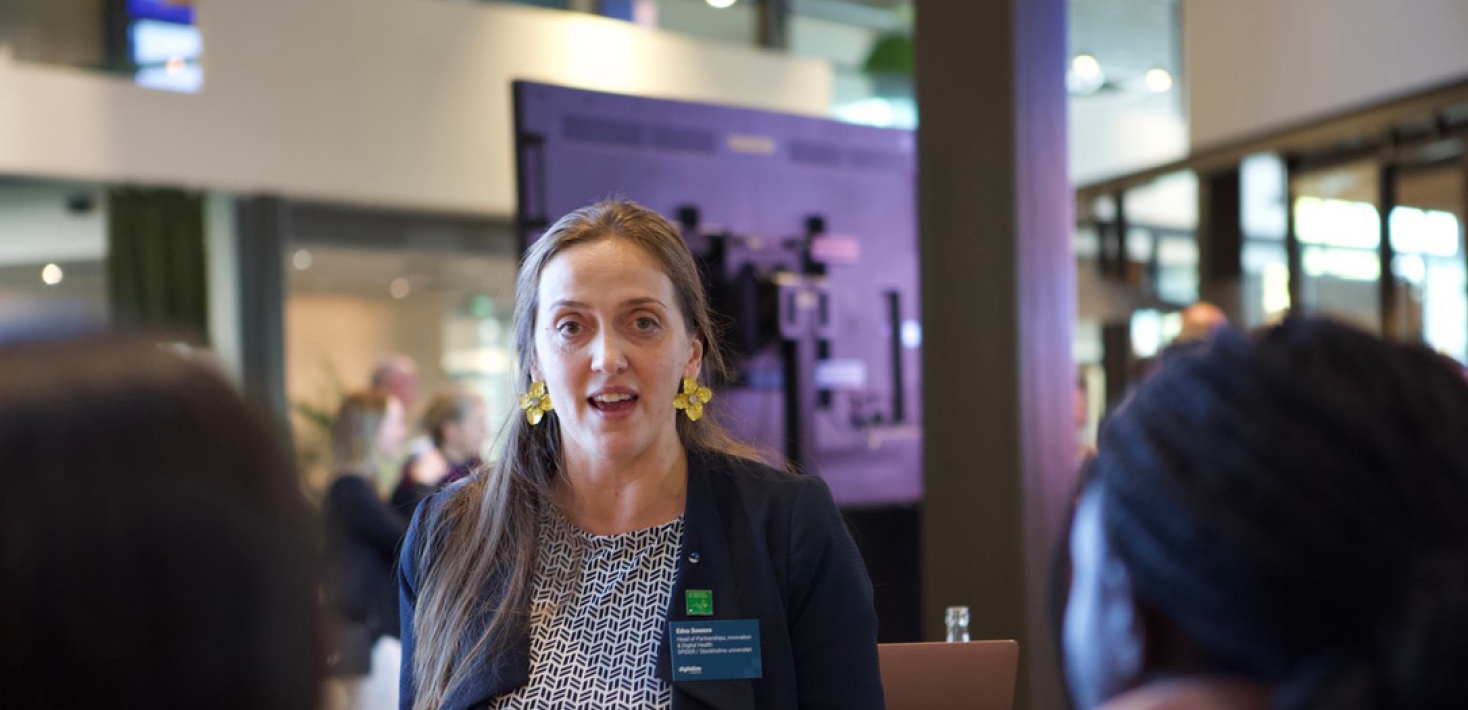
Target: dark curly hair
point(1296, 503)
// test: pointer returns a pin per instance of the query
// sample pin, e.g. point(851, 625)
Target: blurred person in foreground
point(620, 510)
point(362, 536)
point(154, 547)
point(1277, 521)
point(455, 421)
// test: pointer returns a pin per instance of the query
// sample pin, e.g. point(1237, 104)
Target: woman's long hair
point(1296, 503)
point(477, 555)
point(354, 433)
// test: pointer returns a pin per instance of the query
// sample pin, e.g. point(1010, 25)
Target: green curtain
point(156, 272)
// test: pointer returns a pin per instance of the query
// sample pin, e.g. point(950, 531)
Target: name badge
point(715, 650)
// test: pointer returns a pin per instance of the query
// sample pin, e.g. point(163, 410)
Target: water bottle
point(957, 620)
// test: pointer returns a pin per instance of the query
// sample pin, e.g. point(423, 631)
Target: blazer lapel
point(704, 564)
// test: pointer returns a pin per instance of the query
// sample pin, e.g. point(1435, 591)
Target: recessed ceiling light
point(1086, 66)
point(1159, 80)
point(301, 259)
point(721, 4)
point(1085, 75)
point(52, 274)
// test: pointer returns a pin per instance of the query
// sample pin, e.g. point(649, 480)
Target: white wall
point(397, 102)
point(1259, 64)
point(36, 227)
point(1112, 136)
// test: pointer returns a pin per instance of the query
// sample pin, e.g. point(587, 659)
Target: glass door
point(1430, 301)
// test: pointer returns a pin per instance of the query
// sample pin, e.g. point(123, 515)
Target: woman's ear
point(1105, 632)
point(1126, 626)
point(695, 360)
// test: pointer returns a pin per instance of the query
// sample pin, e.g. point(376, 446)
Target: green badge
point(700, 602)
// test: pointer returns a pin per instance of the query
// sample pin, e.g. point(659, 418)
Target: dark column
point(263, 234)
point(1292, 238)
point(1386, 190)
point(995, 216)
point(1221, 242)
point(1113, 237)
point(1117, 361)
point(774, 23)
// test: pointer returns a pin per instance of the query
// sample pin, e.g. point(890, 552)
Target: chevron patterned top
point(598, 611)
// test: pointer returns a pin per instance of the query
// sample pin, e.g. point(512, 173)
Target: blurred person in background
point(362, 535)
point(1200, 321)
point(455, 421)
point(156, 548)
point(1277, 521)
point(397, 375)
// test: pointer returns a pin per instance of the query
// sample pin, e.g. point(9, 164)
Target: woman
point(155, 539)
point(362, 536)
point(455, 423)
point(620, 511)
point(1277, 522)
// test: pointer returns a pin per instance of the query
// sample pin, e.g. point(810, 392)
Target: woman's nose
point(607, 355)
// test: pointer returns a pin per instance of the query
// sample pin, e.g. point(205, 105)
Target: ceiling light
point(1086, 66)
point(301, 259)
point(721, 4)
point(1085, 75)
point(52, 274)
point(400, 288)
point(1159, 80)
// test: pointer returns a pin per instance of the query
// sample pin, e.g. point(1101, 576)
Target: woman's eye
point(568, 328)
point(645, 323)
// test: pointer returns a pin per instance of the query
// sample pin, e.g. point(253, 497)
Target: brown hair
point(157, 544)
point(484, 536)
point(354, 433)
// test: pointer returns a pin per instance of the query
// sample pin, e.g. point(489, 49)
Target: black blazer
point(770, 546)
point(362, 536)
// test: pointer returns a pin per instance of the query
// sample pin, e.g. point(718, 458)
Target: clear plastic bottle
point(956, 618)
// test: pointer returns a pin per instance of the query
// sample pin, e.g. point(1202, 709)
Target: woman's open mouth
point(613, 402)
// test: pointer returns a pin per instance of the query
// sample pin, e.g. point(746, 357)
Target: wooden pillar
point(998, 289)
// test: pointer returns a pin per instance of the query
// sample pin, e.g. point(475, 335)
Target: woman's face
point(1103, 638)
point(612, 348)
point(466, 436)
point(394, 428)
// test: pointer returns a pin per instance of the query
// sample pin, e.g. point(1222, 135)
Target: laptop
point(978, 675)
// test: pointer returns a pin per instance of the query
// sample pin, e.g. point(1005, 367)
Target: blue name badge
point(715, 650)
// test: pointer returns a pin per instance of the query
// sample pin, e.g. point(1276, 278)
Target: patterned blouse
point(598, 614)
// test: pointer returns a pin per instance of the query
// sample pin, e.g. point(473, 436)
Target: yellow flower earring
point(536, 402)
point(692, 399)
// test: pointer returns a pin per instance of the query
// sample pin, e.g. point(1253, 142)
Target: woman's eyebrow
point(629, 303)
